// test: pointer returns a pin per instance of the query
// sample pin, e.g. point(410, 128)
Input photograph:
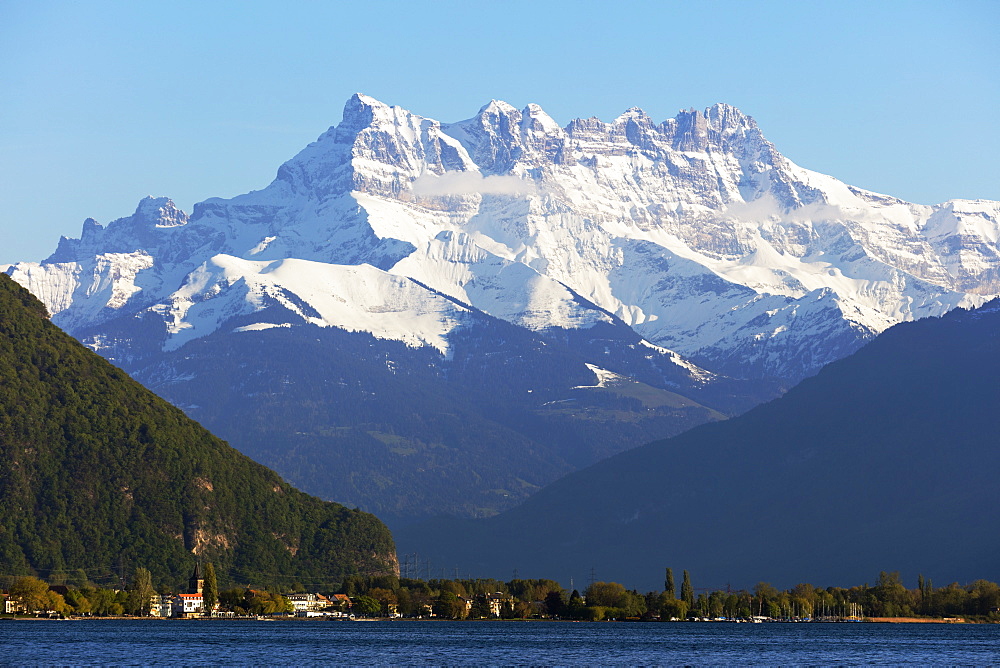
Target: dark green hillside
point(98, 473)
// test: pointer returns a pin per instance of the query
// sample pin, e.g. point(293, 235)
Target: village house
point(188, 605)
point(10, 606)
point(317, 605)
point(161, 605)
point(499, 602)
point(340, 603)
point(308, 602)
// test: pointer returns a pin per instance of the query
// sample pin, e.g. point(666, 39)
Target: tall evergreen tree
point(554, 603)
point(141, 592)
point(210, 591)
point(687, 591)
point(668, 584)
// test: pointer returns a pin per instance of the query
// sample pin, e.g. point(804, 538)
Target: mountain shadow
point(886, 460)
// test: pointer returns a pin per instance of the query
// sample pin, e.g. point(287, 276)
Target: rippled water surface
point(307, 642)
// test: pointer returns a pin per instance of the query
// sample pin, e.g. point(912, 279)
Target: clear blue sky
point(102, 103)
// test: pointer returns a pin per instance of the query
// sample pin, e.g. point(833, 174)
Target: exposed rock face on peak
point(159, 212)
point(694, 236)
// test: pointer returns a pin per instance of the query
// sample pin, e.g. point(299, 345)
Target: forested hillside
point(99, 474)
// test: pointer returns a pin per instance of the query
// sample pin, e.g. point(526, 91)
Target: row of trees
point(481, 598)
point(31, 595)
point(247, 601)
point(888, 597)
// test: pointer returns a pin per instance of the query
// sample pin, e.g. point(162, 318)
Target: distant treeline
point(483, 598)
point(888, 597)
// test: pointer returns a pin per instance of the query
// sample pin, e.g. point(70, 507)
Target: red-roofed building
point(187, 605)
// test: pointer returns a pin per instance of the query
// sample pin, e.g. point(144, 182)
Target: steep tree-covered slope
point(98, 473)
point(887, 459)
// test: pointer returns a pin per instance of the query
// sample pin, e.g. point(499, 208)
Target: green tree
point(480, 607)
point(687, 591)
point(554, 603)
point(449, 606)
point(803, 599)
point(78, 578)
point(605, 594)
point(672, 608)
point(140, 593)
point(892, 597)
point(78, 602)
point(387, 598)
point(984, 597)
point(523, 610)
point(716, 604)
point(257, 602)
point(30, 593)
point(56, 603)
point(404, 602)
point(366, 606)
point(668, 584)
point(210, 590)
point(575, 607)
point(766, 595)
point(105, 602)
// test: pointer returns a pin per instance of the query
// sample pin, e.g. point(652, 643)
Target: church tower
point(197, 583)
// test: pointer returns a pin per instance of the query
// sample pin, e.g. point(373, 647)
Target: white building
point(188, 604)
point(309, 602)
point(161, 605)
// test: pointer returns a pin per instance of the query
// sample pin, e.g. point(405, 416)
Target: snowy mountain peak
point(367, 100)
point(159, 212)
point(361, 110)
point(90, 226)
point(695, 232)
point(723, 115)
point(632, 114)
point(686, 260)
point(497, 108)
point(536, 118)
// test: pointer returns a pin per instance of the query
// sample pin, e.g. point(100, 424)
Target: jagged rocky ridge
point(709, 256)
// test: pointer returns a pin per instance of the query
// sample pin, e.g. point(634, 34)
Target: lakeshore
point(359, 598)
point(435, 620)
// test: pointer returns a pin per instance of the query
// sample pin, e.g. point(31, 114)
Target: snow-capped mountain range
point(695, 232)
point(679, 256)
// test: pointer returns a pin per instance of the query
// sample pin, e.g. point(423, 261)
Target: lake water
point(430, 642)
